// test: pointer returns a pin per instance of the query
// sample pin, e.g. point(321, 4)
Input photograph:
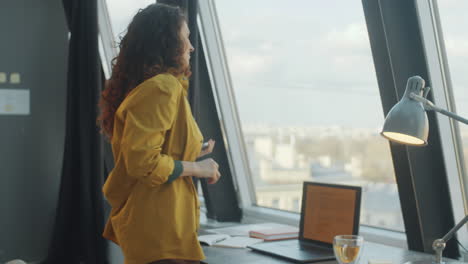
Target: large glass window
point(121, 12)
point(454, 23)
point(308, 102)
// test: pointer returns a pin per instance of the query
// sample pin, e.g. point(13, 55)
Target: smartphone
point(205, 146)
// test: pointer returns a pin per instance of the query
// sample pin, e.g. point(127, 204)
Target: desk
point(371, 251)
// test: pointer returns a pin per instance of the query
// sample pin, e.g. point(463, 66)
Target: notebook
point(227, 241)
point(271, 234)
point(327, 210)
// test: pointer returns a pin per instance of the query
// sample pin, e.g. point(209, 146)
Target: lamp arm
point(455, 229)
point(439, 244)
point(428, 105)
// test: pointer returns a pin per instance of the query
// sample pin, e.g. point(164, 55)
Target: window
point(121, 13)
point(296, 205)
point(308, 102)
point(275, 202)
point(454, 23)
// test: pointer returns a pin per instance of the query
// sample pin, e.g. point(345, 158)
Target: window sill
point(256, 214)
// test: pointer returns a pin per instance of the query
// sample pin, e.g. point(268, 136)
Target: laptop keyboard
point(311, 249)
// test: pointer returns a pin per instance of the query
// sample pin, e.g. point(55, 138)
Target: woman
point(155, 141)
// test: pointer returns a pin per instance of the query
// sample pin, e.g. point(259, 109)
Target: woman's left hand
point(208, 150)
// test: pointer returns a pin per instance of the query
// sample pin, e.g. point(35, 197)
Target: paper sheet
point(238, 242)
point(14, 102)
point(243, 230)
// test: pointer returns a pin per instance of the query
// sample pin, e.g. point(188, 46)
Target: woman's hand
point(208, 150)
point(208, 168)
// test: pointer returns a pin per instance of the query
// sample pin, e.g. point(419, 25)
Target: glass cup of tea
point(347, 248)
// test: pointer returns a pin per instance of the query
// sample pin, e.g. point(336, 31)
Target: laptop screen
point(329, 210)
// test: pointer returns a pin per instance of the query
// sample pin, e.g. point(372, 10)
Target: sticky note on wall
point(14, 102)
point(15, 78)
point(3, 77)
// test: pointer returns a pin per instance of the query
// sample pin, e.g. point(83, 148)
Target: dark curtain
point(79, 218)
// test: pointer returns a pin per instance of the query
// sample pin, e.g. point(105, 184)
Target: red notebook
point(279, 233)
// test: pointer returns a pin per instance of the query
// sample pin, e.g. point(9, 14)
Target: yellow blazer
point(155, 215)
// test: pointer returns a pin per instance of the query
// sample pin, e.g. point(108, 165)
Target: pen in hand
point(219, 240)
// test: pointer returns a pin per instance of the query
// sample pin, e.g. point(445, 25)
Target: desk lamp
point(407, 123)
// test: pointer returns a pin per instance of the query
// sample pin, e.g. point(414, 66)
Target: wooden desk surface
point(371, 251)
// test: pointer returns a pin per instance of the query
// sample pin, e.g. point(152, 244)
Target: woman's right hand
point(208, 168)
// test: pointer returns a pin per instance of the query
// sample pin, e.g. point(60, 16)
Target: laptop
point(327, 210)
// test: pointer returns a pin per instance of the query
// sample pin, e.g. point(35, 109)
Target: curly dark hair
point(151, 45)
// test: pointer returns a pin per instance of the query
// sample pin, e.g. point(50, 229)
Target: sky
point(455, 32)
point(308, 62)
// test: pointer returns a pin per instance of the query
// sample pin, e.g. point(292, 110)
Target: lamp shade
point(407, 122)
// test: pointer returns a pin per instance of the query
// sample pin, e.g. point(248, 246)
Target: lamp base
point(433, 262)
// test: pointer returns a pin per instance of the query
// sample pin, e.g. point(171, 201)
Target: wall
point(34, 40)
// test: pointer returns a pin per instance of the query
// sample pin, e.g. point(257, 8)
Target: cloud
point(353, 37)
point(242, 63)
point(121, 12)
point(125, 9)
point(450, 3)
point(457, 46)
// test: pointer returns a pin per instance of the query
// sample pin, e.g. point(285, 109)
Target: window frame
point(397, 45)
point(226, 104)
point(439, 74)
point(220, 78)
point(107, 46)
